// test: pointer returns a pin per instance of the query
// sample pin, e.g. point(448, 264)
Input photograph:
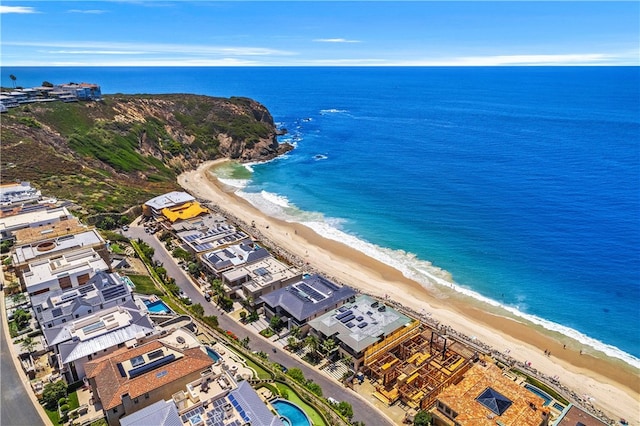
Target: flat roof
point(24, 220)
point(360, 324)
point(47, 247)
point(263, 273)
point(169, 199)
point(64, 265)
point(54, 230)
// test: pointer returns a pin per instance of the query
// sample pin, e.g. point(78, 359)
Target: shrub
point(53, 392)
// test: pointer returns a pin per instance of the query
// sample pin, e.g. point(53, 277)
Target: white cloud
point(151, 48)
point(88, 11)
point(335, 40)
point(93, 52)
point(17, 9)
point(560, 59)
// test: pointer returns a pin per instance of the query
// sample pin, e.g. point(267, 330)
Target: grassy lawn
point(115, 248)
point(262, 373)
point(292, 396)
point(73, 404)
point(144, 285)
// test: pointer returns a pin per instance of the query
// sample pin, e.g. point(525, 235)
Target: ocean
point(519, 186)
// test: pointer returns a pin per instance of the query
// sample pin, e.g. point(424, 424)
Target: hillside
point(108, 156)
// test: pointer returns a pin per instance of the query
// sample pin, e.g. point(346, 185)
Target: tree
point(328, 345)
point(197, 309)
point(21, 317)
point(345, 409)
point(422, 418)
point(315, 389)
point(47, 84)
point(253, 316)
point(276, 323)
point(295, 331)
point(245, 342)
point(243, 315)
point(53, 392)
point(18, 298)
point(5, 246)
point(296, 374)
point(13, 79)
point(312, 343)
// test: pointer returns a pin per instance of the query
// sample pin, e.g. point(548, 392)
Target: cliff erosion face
point(111, 154)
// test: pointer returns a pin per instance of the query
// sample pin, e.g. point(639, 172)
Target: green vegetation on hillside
point(111, 155)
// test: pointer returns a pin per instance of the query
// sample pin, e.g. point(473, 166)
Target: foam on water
point(419, 270)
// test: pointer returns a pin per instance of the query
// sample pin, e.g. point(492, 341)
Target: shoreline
point(608, 383)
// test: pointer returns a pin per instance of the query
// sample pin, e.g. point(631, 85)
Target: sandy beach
point(610, 385)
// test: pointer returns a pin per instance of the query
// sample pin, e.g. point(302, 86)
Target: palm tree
point(13, 79)
point(28, 344)
point(312, 342)
point(328, 345)
point(295, 332)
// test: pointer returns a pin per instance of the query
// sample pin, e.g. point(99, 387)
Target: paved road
point(16, 408)
point(361, 409)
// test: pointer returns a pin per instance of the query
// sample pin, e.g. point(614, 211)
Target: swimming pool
point(212, 354)
point(541, 394)
point(293, 414)
point(157, 307)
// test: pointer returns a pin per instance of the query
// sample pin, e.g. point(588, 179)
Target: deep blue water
point(522, 183)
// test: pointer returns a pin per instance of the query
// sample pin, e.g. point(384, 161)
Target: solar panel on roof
point(262, 271)
point(349, 325)
point(314, 294)
point(344, 314)
point(135, 372)
point(121, 370)
point(362, 325)
point(56, 312)
point(85, 289)
point(155, 354)
point(114, 292)
point(347, 318)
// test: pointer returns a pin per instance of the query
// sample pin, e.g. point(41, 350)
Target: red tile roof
point(111, 385)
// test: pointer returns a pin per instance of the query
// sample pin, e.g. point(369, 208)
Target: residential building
point(206, 233)
point(53, 241)
point(104, 290)
point(161, 413)
point(22, 192)
point(574, 416)
point(47, 232)
point(153, 207)
point(221, 260)
point(95, 335)
point(306, 299)
point(64, 271)
point(131, 379)
point(33, 219)
point(484, 396)
point(360, 324)
point(259, 278)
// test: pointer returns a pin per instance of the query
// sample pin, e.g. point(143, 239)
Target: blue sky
point(303, 33)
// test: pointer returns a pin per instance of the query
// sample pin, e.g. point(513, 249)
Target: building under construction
point(417, 368)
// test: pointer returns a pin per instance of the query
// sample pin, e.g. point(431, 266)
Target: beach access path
point(611, 385)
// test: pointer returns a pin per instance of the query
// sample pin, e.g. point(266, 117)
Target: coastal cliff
point(110, 155)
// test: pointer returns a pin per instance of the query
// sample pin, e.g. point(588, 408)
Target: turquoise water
point(517, 186)
point(157, 307)
point(540, 393)
point(213, 354)
point(292, 412)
